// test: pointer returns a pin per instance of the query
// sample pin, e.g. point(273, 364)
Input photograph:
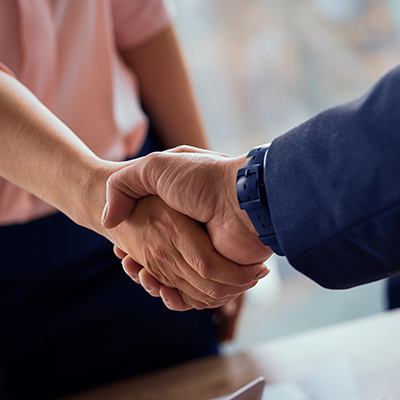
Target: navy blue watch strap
point(251, 192)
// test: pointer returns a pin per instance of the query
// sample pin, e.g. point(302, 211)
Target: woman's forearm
point(166, 91)
point(41, 155)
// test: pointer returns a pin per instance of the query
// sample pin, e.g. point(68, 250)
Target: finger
point(131, 268)
point(173, 272)
point(127, 185)
point(200, 305)
point(172, 299)
point(184, 260)
point(119, 253)
point(203, 293)
point(138, 179)
point(149, 283)
point(178, 301)
point(123, 188)
point(118, 207)
point(166, 263)
point(199, 253)
point(212, 295)
point(192, 298)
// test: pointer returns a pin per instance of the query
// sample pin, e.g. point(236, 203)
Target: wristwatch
point(252, 196)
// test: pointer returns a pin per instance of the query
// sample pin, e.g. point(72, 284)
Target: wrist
point(230, 229)
point(242, 214)
point(252, 196)
point(92, 193)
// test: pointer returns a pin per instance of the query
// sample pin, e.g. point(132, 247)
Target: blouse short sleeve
point(136, 21)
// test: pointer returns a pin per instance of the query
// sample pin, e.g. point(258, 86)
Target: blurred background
point(261, 67)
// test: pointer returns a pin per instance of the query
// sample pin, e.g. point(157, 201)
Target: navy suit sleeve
point(333, 188)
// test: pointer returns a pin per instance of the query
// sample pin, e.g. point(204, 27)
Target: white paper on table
point(330, 382)
point(283, 391)
point(333, 381)
point(387, 388)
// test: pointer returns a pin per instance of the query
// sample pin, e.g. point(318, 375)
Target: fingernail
point(105, 213)
point(135, 278)
point(165, 301)
point(138, 279)
point(262, 274)
point(148, 289)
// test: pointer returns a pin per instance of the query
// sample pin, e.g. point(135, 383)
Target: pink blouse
point(67, 53)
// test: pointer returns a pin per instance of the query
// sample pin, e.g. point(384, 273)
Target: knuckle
point(214, 293)
point(199, 306)
point(150, 170)
point(218, 292)
point(151, 157)
point(112, 181)
point(182, 149)
point(204, 268)
point(215, 303)
point(163, 267)
point(185, 148)
point(160, 255)
point(196, 304)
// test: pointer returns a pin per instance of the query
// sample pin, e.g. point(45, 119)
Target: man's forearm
point(166, 91)
point(333, 190)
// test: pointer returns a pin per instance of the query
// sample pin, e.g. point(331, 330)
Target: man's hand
point(178, 254)
point(198, 183)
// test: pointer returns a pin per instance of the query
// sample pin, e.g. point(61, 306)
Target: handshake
point(192, 244)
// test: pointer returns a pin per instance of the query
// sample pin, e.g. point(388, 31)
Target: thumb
point(117, 208)
point(124, 187)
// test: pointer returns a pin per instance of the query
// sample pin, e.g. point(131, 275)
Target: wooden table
point(371, 345)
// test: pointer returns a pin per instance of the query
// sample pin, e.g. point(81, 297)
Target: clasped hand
point(165, 196)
